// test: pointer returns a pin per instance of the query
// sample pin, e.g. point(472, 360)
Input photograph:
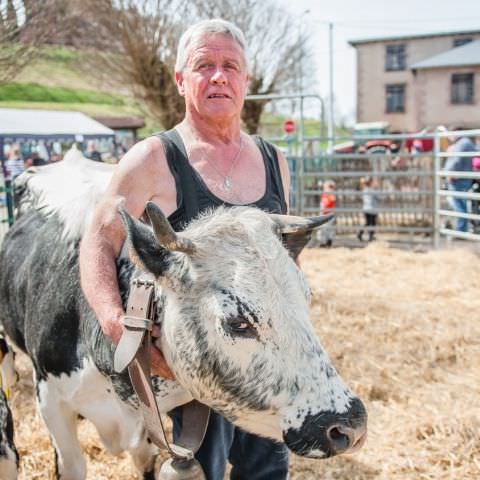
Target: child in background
point(327, 205)
point(327, 199)
point(370, 200)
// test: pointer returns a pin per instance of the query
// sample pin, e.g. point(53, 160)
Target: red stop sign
point(288, 126)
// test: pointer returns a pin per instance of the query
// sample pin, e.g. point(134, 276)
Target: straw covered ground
point(403, 329)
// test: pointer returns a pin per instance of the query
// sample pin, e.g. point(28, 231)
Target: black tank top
point(193, 196)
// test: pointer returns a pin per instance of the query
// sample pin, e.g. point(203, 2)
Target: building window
point(458, 42)
point(462, 88)
point(396, 98)
point(395, 57)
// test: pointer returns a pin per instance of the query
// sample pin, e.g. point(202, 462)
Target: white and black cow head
point(236, 329)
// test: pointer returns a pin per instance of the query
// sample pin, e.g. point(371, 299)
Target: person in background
point(461, 144)
point(92, 153)
point(476, 189)
point(35, 160)
point(42, 151)
point(14, 163)
point(443, 139)
point(370, 202)
point(327, 205)
point(417, 146)
point(327, 198)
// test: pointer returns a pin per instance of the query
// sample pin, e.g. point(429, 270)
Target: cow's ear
point(144, 249)
point(166, 236)
point(296, 232)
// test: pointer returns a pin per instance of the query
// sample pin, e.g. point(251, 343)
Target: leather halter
point(133, 351)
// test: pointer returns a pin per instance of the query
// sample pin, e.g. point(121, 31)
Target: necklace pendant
point(227, 183)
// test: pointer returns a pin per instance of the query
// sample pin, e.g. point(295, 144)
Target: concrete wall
point(433, 95)
point(372, 81)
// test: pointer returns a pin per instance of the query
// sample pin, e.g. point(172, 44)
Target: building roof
point(49, 123)
point(463, 56)
point(411, 36)
point(121, 122)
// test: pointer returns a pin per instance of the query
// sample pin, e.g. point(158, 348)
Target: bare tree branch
point(278, 49)
point(135, 42)
point(19, 42)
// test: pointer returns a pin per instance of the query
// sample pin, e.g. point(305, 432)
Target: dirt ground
point(402, 328)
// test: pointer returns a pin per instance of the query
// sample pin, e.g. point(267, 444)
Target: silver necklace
point(227, 178)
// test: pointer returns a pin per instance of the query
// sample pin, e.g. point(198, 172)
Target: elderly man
point(204, 162)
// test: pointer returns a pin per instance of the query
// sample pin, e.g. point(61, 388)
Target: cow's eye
point(239, 326)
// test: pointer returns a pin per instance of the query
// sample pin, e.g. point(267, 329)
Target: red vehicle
point(420, 144)
point(361, 145)
point(379, 145)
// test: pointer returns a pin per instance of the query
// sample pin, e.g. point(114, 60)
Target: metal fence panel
point(405, 186)
point(411, 187)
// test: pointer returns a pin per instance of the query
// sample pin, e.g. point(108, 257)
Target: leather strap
point(133, 351)
point(138, 319)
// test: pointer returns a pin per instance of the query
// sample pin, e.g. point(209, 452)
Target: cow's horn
point(294, 224)
point(297, 231)
point(164, 233)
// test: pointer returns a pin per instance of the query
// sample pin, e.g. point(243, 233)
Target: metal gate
point(414, 199)
point(410, 186)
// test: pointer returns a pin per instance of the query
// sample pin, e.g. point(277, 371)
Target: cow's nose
point(326, 434)
point(346, 439)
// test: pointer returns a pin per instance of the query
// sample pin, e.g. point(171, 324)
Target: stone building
point(420, 81)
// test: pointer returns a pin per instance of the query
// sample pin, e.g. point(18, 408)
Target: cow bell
point(177, 469)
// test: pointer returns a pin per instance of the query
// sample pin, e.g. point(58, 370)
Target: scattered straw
point(402, 328)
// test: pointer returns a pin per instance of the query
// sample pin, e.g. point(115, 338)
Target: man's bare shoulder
point(147, 155)
point(143, 174)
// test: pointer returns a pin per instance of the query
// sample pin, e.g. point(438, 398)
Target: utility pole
point(300, 66)
point(331, 119)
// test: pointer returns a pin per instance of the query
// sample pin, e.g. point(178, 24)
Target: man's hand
point(113, 327)
point(158, 365)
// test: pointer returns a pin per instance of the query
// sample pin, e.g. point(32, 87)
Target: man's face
point(214, 80)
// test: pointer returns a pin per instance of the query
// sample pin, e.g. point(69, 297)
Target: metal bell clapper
point(177, 469)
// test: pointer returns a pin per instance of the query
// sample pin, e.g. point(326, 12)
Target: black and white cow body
point(8, 452)
point(235, 332)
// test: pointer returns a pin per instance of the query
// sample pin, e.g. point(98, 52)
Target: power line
point(396, 21)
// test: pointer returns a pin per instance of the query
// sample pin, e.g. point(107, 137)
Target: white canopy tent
point(41, 127)
point(47, 124)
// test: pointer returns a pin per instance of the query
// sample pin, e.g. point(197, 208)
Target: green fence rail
point(6, 204)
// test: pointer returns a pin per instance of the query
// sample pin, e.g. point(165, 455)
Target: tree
point(19, 43)
point(135, 45)
point(11, 21)
point(278, 49)
point(136, 41)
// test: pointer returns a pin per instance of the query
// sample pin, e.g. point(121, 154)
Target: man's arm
point(140, 176)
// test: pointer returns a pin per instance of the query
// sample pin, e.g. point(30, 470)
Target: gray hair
point(215, 25)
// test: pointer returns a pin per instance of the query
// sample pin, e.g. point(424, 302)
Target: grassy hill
point(34, 92)
point(59, 79)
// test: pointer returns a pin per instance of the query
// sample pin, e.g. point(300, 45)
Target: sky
point(355, 19)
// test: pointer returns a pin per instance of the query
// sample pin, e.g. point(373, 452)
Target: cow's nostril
point(340, 438)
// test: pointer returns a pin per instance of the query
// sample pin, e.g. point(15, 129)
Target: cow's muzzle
point(326, 434)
